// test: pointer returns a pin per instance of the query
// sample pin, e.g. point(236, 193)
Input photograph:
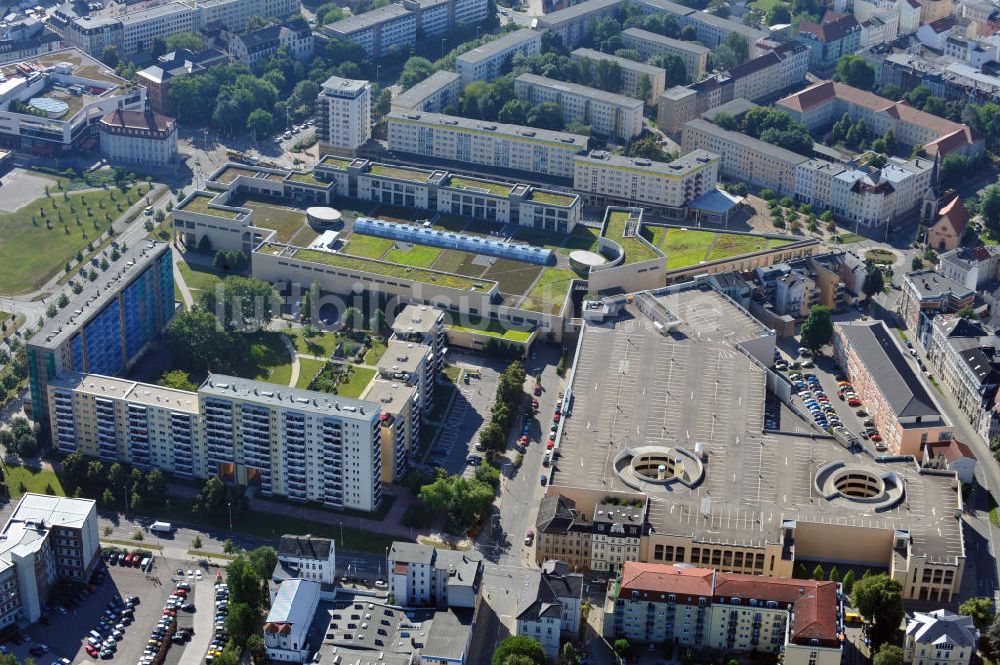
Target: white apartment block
point(702, 608)
point(396, 26)
point(648, 44)
point(487, 62)
point(610, 114)
point(46, 539)
point(421, 575)
point(632, 73)
point(423, 325)
point(413, 364)
point(134, 32)
point(744, 158)
point(497, 145)
point(344, 110)
point(433, 94)
point(940, 637)
point(135, 137)
point(399, 424)
point(299, 444)
point(607, 179)
point(308, 558)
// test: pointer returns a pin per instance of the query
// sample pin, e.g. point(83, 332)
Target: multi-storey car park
point(53, 104)
point(676, 427)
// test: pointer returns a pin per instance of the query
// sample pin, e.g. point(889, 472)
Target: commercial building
point(47, 539)
point(344, 111)
point(758, 80)
point(421, 576)
point(669, 187)
point(433, 94)
point(118, 316)
point(395, 27)
point(835, 36)
point(496, 145)
point(927, 293)
point(633, 74)
point(487, 62)
point(895, 397)
point(823, 103)
point(286, 627)
point(298, 444)
point(368, 631)
point(137, 137)
point(609, 114)
point(703, 608)
point(733, 513)
point(308, 558)
point(941, 637)
point(549, 606)
point(176, 64)
point(649, 44)
point(52, 105)
point(134, 32)
point(256, 46)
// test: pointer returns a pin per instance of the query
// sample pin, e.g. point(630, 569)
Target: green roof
point(199, 203)
point(551, 198)
point(334, 162)
point(306, 178)
point(635, 249)
point(399, 172)
point(495, 329)
point(393, 270)
point(498, 188)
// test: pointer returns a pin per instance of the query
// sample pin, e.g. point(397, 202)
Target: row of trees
point(231, 261)
point(247, 576)
point(21, 439)
point(114, 485)
point(509, 398)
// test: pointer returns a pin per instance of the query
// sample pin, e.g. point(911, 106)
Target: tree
point(491, 437)
point(547, 115)
point(263, 559)
point(109, 56)
point(245, 301)
point(227, 657)
point(622, 647)
point(888, 654)
point(989, 206)
point(196, 542)
point(689, 34)
point(834, 575)
point(377, 323)
point(159, 47)
point(981, 611)
point(177, 379)
point(817, 573)
point(244, 583)
point(879, 599)
point(992, 639)
point(855, 71)
point(414, 71)
point(352, 318)
point(643, 87)
point(240, 621)
point(258, 652)
point(848, 582)
point(197, 342)
point(817, 329)
point(954, 168)
point(184, 40)
point(519, 645)
point(874, 282)
point(260, 121)
point(674, 66)
point(514, 112)
point(778, 15)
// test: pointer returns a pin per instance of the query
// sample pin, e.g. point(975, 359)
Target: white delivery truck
point(164, 528)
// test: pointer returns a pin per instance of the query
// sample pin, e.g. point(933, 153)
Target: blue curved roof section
point(448, 240)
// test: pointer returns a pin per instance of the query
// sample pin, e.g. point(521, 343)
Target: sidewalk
point(391, 524)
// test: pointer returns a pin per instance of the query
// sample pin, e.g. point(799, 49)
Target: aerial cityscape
point(499, 332)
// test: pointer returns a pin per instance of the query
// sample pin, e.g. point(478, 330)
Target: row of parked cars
point(165, 630)
point(102, 642)
point(221, 611)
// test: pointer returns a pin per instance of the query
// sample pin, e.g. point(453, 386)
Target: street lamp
point(443, 40)
point(341, 535)
point(229, 504)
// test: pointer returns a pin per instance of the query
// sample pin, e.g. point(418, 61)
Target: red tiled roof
point(942, 24)
point(832, 28)
point(815, 603)
point(957, 215)
point(660, 578)
point(138, 120)
point(952, 450)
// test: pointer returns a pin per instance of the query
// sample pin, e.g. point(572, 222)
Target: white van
point(161, 527)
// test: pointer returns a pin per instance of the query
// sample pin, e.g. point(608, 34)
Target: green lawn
point(267, 360)
point(686, 247)
point(374, 354)
point(199, 278)
point(320, 344)
point(390, 270)
point(38, 240)
point(496, 329)
point(549, 291)
point(848, 238)
point(38, 481)
point(418, 256)
point(583, 237)
point(308, 369)
point(764, 5)
point(728, 244)
point(635, 250)
point(369, 247)
point(360, 378)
